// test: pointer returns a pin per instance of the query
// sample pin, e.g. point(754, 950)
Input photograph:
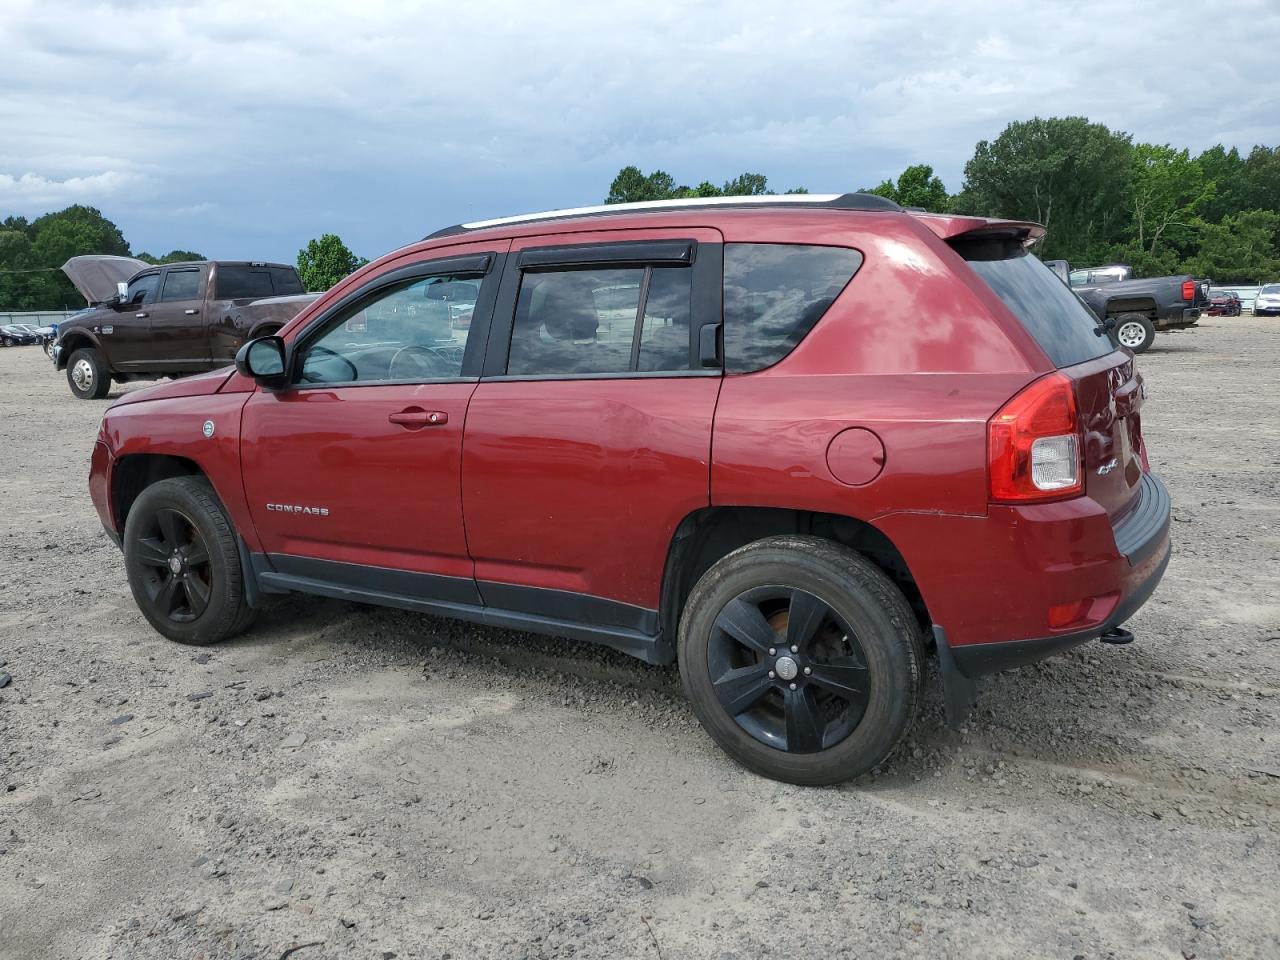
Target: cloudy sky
point(241, 129)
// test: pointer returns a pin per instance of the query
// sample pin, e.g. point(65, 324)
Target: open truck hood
point(96, 276)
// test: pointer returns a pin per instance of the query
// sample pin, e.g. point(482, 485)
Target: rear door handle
point(417, 417)
point(141, 315)
point(190, 313)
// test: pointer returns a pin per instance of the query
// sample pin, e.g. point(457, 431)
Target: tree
point(1064, 172)
point(31, 253)
point(173, 256)
point(323, 262)
point(1167, 189)
point(633, 186)
point(916, 187)
point(1241, 249)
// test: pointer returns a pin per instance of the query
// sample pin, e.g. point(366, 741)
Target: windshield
point(1270, 288)
point(1065, 328)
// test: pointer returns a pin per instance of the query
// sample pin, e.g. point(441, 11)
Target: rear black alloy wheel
point(183, 562)
point(788, 669)
point(801, 659)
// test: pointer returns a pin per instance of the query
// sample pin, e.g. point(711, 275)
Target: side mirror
point(263, 360)
point(122, 291)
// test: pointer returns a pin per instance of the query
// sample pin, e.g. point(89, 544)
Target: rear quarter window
point(241, 281)
point(1065, 328)
point(774, 294)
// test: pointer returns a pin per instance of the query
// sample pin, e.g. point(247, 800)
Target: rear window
point(238, 282)
point(1065, 328)
point(774, 293)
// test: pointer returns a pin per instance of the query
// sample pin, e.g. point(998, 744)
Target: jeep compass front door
point(353, 470)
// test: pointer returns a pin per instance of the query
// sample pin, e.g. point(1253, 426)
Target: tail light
point(1033, 444)
point(1188, 289)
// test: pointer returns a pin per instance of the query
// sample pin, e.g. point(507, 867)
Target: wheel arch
point(710, 533)
point(76, 340)
point(133, 473)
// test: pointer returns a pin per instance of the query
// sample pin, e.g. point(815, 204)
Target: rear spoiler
point(949, 228)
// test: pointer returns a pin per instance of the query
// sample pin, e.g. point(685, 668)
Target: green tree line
point(31, 253)
point(1103, 198)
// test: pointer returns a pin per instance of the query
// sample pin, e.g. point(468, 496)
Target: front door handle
point(190, 313)
point(141, 316)
point(415, 417)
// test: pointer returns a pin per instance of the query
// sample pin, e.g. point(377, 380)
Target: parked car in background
point(18, 335)
point(1224, 303)
point(171, 320)
point(1133, 310)
point(1267, 303)
point(789, 443)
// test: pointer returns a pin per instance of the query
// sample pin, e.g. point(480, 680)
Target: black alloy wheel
point(788, 669)
point(179, 578)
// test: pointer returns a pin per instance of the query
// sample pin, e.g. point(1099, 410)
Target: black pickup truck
point(146, 322)
point(1133, 310)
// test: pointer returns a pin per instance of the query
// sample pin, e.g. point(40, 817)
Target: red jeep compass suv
point(792, 443)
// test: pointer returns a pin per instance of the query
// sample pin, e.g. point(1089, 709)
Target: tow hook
point(1118, 636)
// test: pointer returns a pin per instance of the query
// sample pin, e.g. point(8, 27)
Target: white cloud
point(30, 189)
point(384, 119)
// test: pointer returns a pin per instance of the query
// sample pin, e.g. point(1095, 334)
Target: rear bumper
point(1143, 545)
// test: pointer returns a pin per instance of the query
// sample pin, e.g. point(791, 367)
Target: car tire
point(6, 342)
point(1134, 331)
point(87, 375)
point(842, 701)
point(183, 562)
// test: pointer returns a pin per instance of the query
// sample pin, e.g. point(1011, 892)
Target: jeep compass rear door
point(589, 437)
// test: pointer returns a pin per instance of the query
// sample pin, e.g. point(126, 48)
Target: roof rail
point(819, 201)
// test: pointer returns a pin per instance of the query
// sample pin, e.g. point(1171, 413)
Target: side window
point(1079, 278)
point(181, 285)
point(238, 282)
point(604, 320)
point(416, 330)
point(774, 294)
point(143, 289)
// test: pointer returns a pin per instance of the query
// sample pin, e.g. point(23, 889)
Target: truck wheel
point(1134, 331)
point(183, 565)
point(87, 374)
point(801, 659)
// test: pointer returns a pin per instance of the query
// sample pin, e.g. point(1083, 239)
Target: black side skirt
point(631, 630)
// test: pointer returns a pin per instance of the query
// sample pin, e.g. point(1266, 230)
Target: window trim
point(705, 301)
point(489, 265)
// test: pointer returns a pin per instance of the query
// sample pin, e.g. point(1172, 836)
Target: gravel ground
point(352, 782)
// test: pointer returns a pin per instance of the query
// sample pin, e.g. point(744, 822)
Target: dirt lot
point(463, 792)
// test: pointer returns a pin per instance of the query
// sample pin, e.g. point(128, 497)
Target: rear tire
point(1134, 331)
point(87, 375)
point(183, 562)
point(837, 705)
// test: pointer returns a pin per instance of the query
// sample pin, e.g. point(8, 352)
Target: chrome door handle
point(141, 315)
point(190, 313)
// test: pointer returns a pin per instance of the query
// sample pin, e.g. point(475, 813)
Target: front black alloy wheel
point(178, 577)
point(802, 659)
point(183, 562)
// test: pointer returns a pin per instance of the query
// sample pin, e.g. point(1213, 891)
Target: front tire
point(801, 659)
point(87, 375)
point(183, 563)
point(1134, 331)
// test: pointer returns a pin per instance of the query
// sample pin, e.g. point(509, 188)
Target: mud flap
point(959, 693)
